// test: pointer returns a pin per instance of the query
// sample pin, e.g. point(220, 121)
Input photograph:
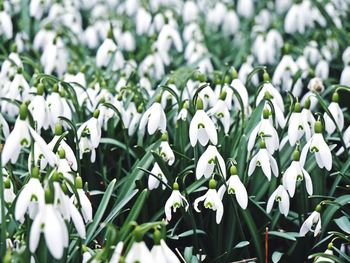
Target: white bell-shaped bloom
point(182, 115)
point(139, 252)
point(238, 85)
point(236, 187)
point(294, 173)
point(105, 52)
point(49, 222)
point(165, 151)
point(319, 147)
point(40, 112)
point(32, 192)
point(86, 207)
point(265, 129)
point(92, 129)
point(281, 196)
point(346, 139)
point(155, 119)
point(308, 119)
point(153, 182)
point(312, 223)
point(299, 124)
point(202, 128)
point(162, 253)
point(207, 162)
point(4, 127)
point(285, 70)
point(143, 21)
point(6, 27)
point(322, 259)
point(221, 113)
point(117, 253)
point(245, 8)
point(265, 160)
point(211, 201)
point(337, 114)
point(345, 76)
point(175, 201)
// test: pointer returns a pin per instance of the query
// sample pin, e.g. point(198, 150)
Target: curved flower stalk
point(312, 223)
point(22, 136)
point(160, 251)
point(154, 117)
point(337, 114)
point(319, 147)
point(280, 195)
point(265, 129)
point(294, 173)
point(265, 160)
point(202, 128)
point(211, 201)
point(153, 183)
point(165, 151)
point(49, 222)
point(236, 187)
point(175, 201)
point(207, 162)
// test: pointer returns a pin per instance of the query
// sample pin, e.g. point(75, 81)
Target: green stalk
point(3, 219)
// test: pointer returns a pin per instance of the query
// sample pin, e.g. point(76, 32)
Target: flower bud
point(335, 97)
point(212, 184)
point(330, 246)
point(157, 236)
point(318, 208)
point(138, 234)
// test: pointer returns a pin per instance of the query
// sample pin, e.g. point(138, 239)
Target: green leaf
point(286, 235)
point(242, 244)
point(100, 211)
point(343, 223)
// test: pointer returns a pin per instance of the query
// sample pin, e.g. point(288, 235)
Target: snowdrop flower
point(89, 135)
point(345, 76)
point(211, 201)
point(337, 114)
point(346, 138)
point(139, 251)
point(284, 73)
point(49, 222)
point(190, 11)
point(105, 51)
point(265, 160)
point(322, 69)
point(238, 85)
point(202, 128)
point(312, 223)
point(39, 110)
point(117, 253)
point(143, 21)
point(207, 161)
point(294, 173)
point(319, 147)
point(265, 129)
point(245, 8)
point(281, 196)
point(153, 182)
point(30, 198)
point(85, 204)
point(230, 25)
point(298, 18)
point(328, 251)
point(160, 251)
point(175, 201)
point(298, 125)
point(308, 119)
point(221, 112)
point(154, 117)
point(165, 151)
point(21, 136)
point(9, 195)
point(183, 113)
point(6, 27)
point(236, 187)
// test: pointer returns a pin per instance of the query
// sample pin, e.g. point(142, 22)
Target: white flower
point(345, 76)
point(162, 253)
point(91, 129)
point(281, 196)
point(69, 154)
point(6, 27)
point(105, 52)
point(312, 223)
point(155, 118)
point(117, 252)
point(143, 21)
point(238, 85)
point(31, 196)
point(182, 115)
point(336, 113)
point(211, 201)
point(319, 147)
point(324, 259)
point(207, 161)
point(307, 119)
point(265, 129)
point(346, 138)
point(40, 112)
point(175, 201)
point(236, 187)
point(294, 173)
point(153, 182)
point(166, 152)
point(4, 127)
point(202, 128)
point(299, 124)
point(49, 222)
point(245, 8)
point(285, 70)
point(139, 253)
point(221, 112)
point(21, 136)
point(86, 207)
point(265, 160)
